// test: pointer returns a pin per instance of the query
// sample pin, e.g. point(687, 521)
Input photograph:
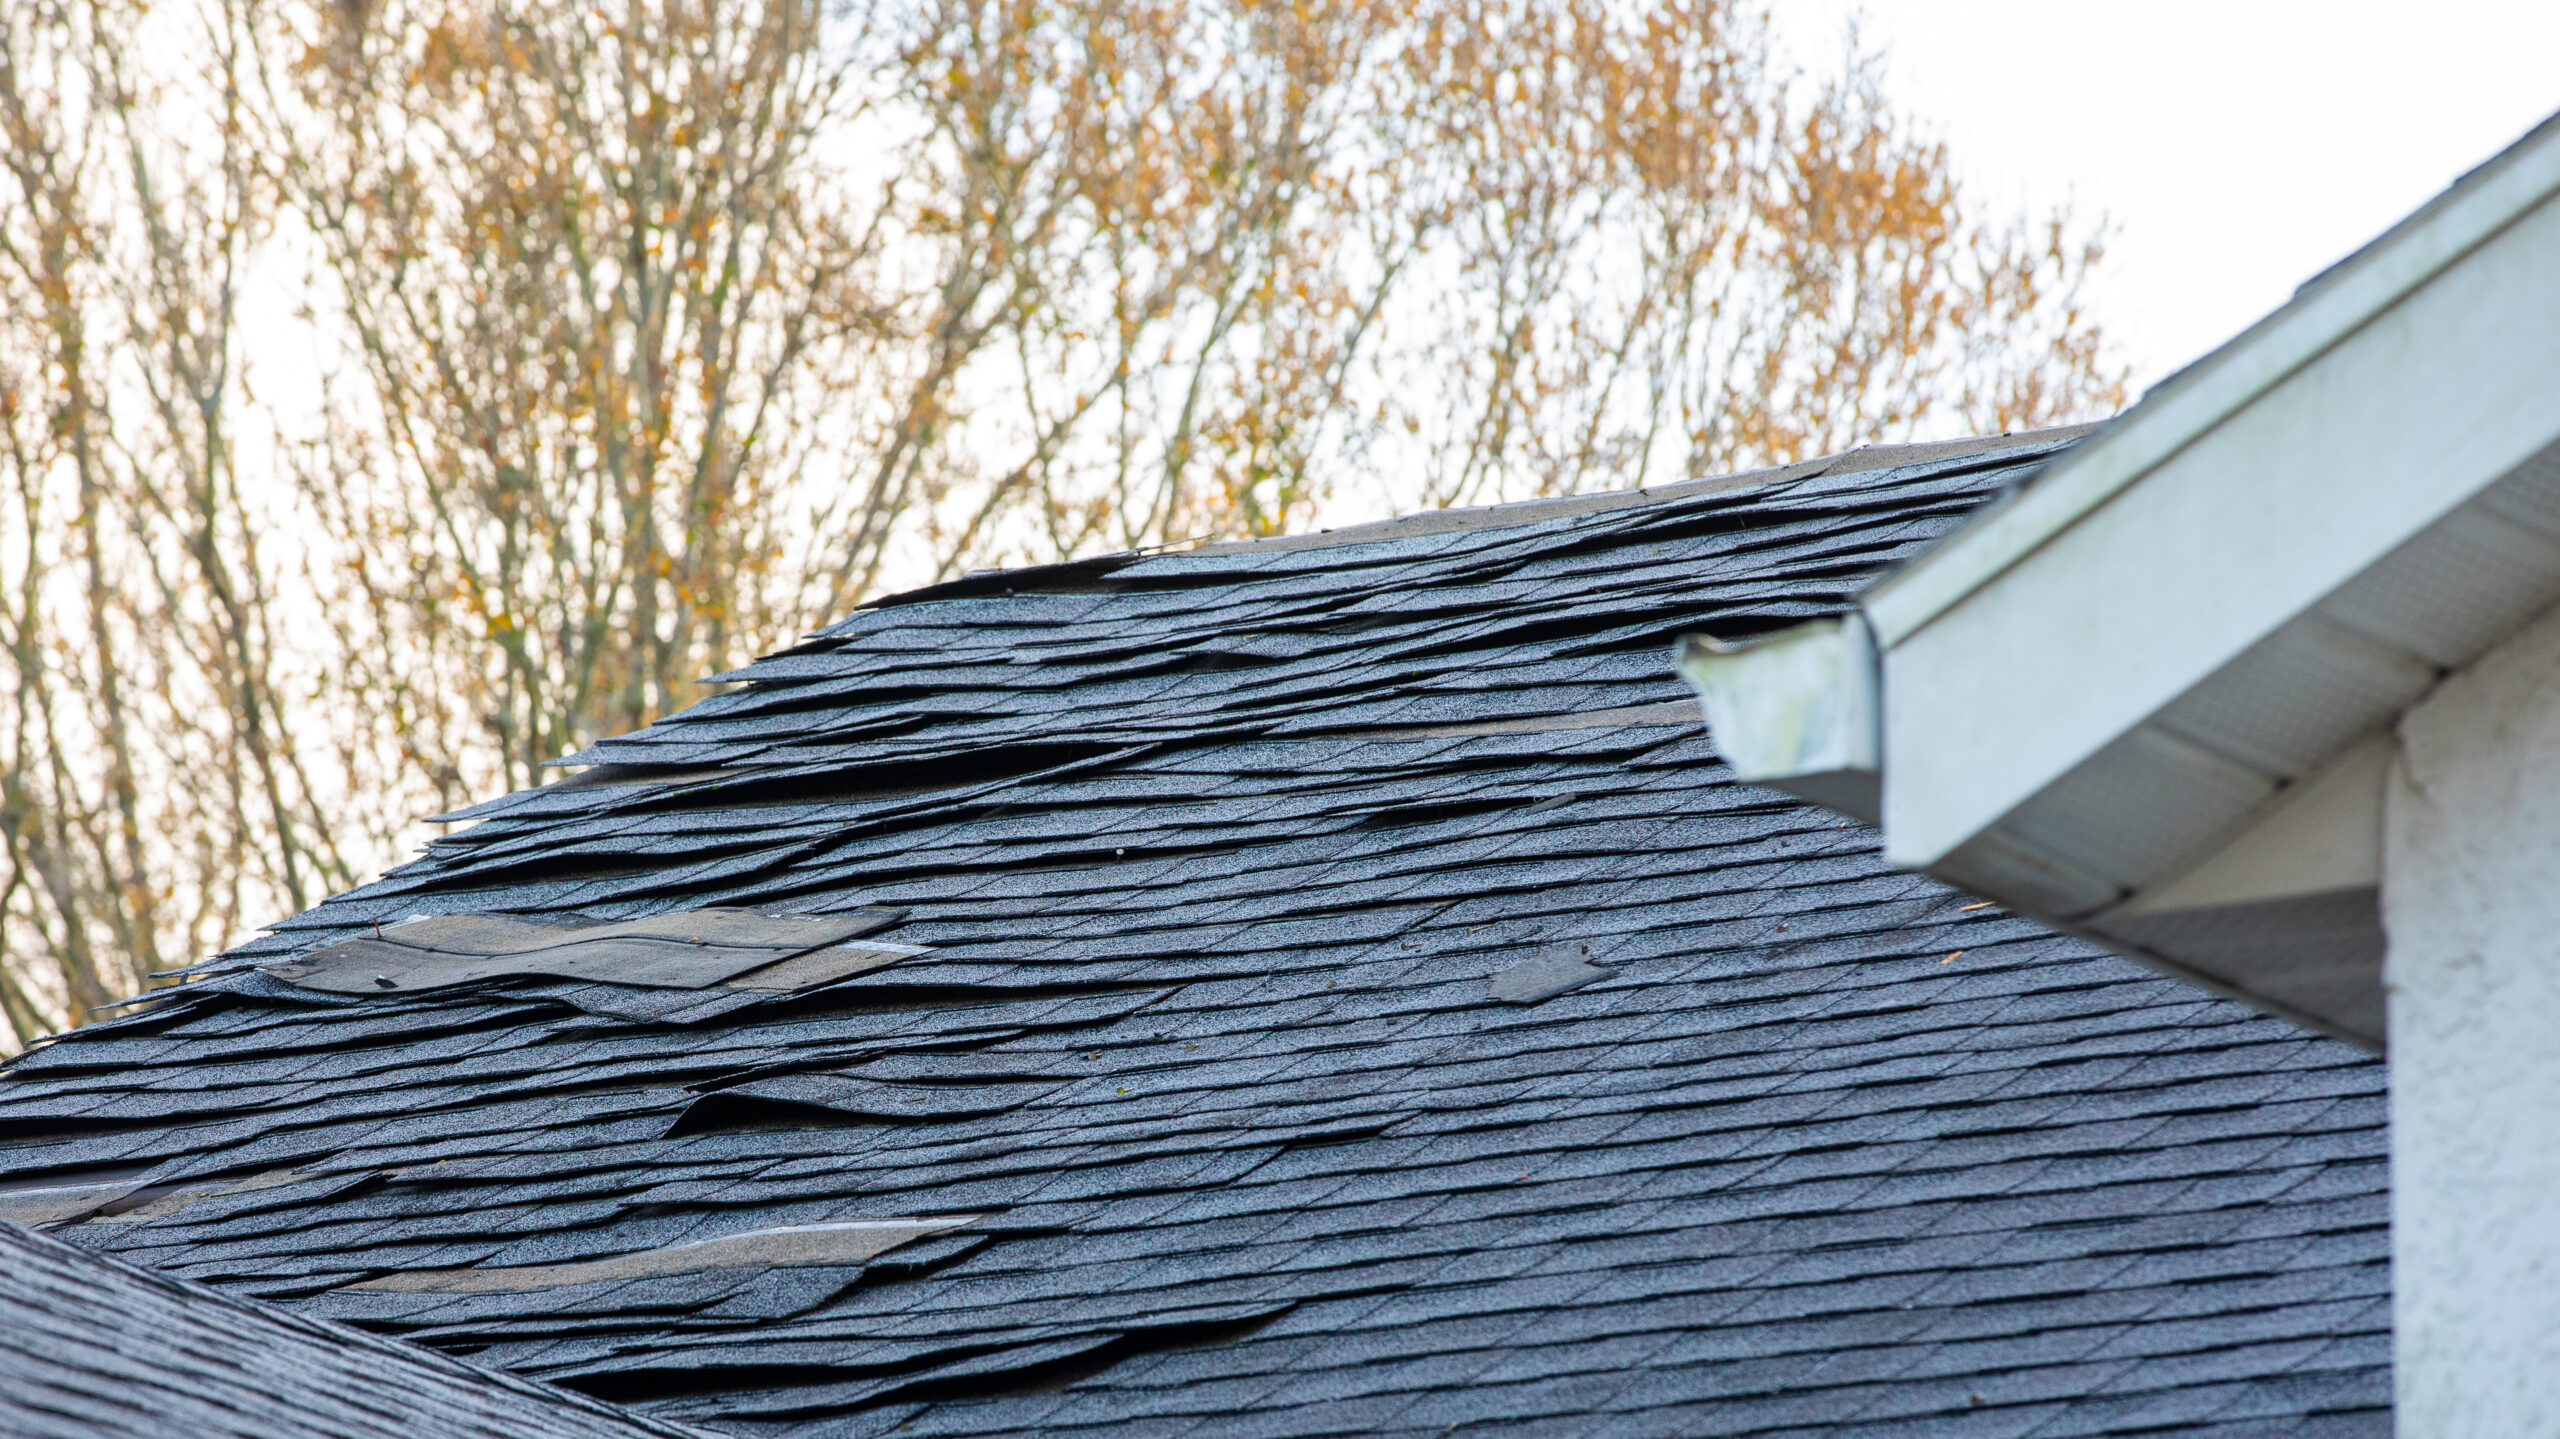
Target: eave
point(2146, 697)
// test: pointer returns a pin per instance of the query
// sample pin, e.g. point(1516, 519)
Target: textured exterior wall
point(2471, 901)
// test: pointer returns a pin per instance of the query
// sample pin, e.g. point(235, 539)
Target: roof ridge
point(1864, 459)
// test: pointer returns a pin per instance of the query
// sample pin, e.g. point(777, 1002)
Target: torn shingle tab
point(53, 1203)
point(787, 1246)
point(1218, 861)
point(688, 949)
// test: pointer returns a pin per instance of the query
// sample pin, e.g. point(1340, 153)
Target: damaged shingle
point(99, 1349)
point(851, 1241)
point(1254, 1024)
point(688, 950)
point(802, 1099)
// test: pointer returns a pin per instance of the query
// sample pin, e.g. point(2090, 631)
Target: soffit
point(2117, 709)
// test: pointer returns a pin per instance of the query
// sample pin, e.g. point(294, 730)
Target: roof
point(2146, 696)
point(94, 1348)
point(1350, 998)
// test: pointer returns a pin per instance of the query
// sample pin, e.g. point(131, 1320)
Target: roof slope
point(1244, 1089)
point(95, 1348)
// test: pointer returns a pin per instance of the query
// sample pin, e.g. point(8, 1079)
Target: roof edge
point(2324, 311)
point(1864, 459)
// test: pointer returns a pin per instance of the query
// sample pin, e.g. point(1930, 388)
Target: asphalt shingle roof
point(1223, 860)
point(94, 1348)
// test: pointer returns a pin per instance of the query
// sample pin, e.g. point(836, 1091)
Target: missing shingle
point(830, 1101)
point(61, 1195)
point(1554, 970)
point(856, 1241)
point(826, 966)
point(892, 779)
point(158, 1201)
point(1222, 661)
point(692, 949)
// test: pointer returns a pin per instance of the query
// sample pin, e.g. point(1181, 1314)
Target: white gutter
point(1797, 710)
point(2173, 415)
point(2106, 700)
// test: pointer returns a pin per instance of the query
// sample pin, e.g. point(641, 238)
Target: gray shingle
point(1209, 1022)
point(97, 1348)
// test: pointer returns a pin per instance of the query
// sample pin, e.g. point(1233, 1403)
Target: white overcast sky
point(2237, 146)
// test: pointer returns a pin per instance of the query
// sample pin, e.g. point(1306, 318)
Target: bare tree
point(1247, 256)
point(600, 347)
point(154, 779)
point(587, 265)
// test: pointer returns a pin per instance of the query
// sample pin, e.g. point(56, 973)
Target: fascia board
point(2247, 527)
point(2174, 415)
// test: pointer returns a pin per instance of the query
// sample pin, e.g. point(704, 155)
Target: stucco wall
point(2471, 904)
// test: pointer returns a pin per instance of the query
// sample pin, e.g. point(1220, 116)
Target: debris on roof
point(1215, 858)
point(94, 1348)
point(1554, 970)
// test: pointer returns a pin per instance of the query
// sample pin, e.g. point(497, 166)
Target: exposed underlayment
point(687, 949)
point(1254, 1041)
point(846, 1242)
point(94, 1348)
